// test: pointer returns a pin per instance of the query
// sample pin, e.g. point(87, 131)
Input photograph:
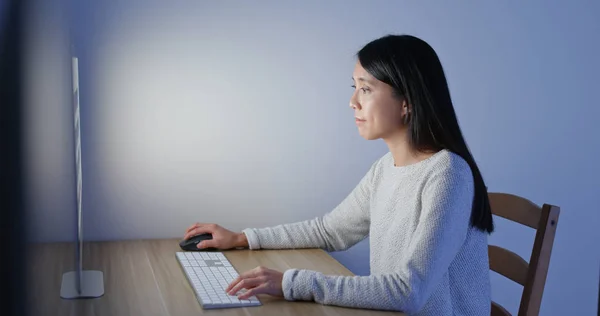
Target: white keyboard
point(209, 274)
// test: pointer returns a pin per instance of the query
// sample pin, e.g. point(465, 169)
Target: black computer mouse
point(191, 243)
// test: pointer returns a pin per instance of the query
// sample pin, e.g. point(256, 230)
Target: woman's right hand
point(221, 237)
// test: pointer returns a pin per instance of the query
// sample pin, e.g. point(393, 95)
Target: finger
point(261, 289)
point(246, 275)
point(192, 227)
point(197, 231)
point(207, 244)
point(188, 232)
point(196, 225)
point(233, 283)
point(246, 284)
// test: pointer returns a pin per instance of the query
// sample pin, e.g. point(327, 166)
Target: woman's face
point(378, 112)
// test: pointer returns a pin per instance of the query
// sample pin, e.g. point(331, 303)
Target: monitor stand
point(92, 285)
point(80, 283)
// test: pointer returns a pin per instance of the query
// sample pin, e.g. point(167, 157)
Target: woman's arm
point(337, 230)
point(441, 232)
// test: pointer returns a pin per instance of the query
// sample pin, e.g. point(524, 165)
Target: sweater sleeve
point(442, 229)
point(344, 226)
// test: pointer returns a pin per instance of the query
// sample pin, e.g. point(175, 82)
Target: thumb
point(206, 244)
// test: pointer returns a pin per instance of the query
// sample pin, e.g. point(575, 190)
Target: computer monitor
point(79, 283)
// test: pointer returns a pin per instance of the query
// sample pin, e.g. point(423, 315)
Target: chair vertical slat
point(539, 262)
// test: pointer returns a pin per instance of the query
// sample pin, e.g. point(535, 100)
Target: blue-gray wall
point(237, 113)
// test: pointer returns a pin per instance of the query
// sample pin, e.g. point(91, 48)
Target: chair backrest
point(531, 275)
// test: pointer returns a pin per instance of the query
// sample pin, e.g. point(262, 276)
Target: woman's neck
point(403, 153)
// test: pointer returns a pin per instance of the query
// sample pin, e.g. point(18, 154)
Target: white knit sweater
point(425, 258)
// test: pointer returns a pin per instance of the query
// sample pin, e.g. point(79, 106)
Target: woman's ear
point(406, 111)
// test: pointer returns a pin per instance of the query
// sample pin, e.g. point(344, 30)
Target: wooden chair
point(532, 275)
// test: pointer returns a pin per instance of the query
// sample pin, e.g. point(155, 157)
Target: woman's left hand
point(259, 280)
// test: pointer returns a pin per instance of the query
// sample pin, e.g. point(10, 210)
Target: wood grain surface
point(143, 277)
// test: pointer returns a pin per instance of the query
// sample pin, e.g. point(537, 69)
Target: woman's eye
point(364, 89)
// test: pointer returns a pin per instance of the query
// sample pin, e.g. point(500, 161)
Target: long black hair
point(412, 68)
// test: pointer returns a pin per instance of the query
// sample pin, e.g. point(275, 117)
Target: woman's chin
point(367, 136)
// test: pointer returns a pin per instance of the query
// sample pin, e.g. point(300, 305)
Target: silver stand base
point(92, 284)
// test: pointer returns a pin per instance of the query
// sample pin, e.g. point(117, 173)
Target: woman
point(424, 204)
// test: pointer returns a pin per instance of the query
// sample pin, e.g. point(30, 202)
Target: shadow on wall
point(356, 259)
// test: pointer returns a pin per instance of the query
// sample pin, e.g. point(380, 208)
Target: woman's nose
point(354, 102)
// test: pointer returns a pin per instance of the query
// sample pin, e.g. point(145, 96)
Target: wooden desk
point(143, 277)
